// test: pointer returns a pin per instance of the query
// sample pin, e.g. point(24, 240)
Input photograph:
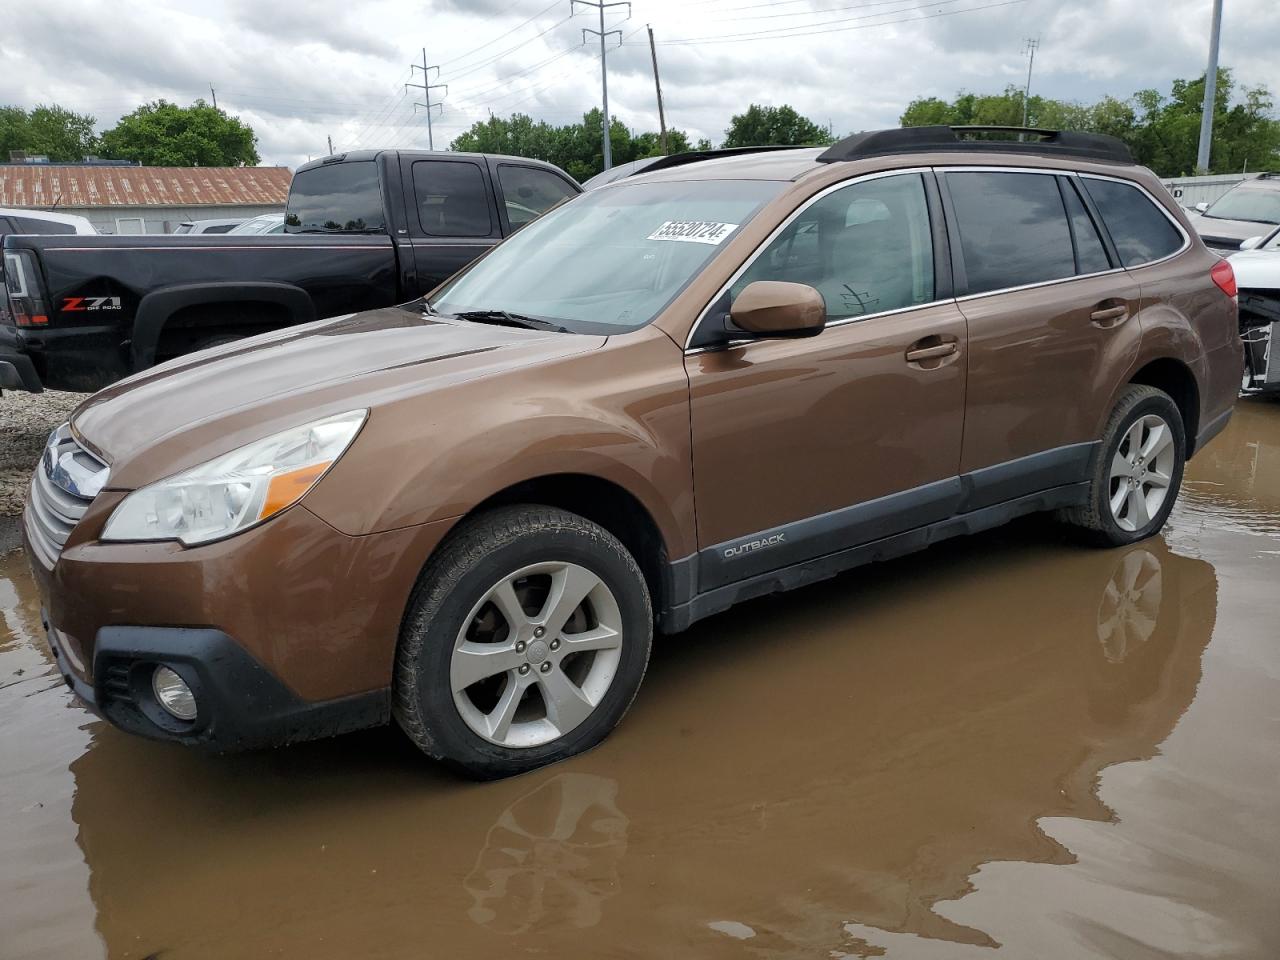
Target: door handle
point(1109, 316)
point(936, 352)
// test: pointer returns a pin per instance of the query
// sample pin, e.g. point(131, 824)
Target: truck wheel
point(1138, 471)
point(524, 643)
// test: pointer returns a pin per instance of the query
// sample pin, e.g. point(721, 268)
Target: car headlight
point(235, 491)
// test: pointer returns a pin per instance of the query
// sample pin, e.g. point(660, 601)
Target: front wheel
point(524, 644)
point(1138, 471)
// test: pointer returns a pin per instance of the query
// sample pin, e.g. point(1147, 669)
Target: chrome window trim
point(773, 235)
point(967, 168)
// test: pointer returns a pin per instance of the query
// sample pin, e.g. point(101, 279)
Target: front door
point(802, 448)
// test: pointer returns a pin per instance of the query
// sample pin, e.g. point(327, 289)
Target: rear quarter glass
point(1141, 231)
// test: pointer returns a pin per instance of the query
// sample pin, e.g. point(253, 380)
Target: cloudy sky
point(298, 72)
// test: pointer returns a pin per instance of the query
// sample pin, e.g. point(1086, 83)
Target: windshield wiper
point(505, 318)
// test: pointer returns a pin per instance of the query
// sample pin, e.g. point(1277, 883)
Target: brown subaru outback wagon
point(719, 379)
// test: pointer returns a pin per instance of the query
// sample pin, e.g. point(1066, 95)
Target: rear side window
point(32, 225)
point(529, 193)
point(336, 198)
point(1013, 229)
point(1091, 256)
point(1138, 228)
point(452, 199)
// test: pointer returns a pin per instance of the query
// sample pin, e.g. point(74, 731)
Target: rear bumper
point(240, 704)
point(17, 372)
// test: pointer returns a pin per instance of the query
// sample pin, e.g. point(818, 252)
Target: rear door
point(452, 216)
point(1050, 321)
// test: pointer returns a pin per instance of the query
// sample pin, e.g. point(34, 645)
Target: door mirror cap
point(1251, 244)
point(774, 308)
point(1202, 206)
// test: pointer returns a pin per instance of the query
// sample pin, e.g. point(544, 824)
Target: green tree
point(761, 126)
point(52, 131)
point(1163, 132)
point(164, 134)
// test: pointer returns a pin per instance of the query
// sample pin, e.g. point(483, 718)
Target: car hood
point(1215, 228)
point(188, 410)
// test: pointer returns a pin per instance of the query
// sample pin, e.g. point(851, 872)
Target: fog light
point(173, 693)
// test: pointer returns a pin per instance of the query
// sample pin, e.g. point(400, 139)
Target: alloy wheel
point(1142, 472)
point(536, 655)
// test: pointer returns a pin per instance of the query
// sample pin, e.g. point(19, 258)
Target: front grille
point(65, 483)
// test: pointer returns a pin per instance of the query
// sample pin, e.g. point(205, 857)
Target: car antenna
point(56, 202)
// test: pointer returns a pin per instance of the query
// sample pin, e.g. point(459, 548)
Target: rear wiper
point(507, 319)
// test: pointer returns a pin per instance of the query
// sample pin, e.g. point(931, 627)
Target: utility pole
point(426, 86)
point(604, 69)
point(213, 93)
point(1030, 49)
point(330, 139)
point(662, 117)
point(1210, 92)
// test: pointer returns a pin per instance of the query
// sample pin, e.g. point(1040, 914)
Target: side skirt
point(681, 616)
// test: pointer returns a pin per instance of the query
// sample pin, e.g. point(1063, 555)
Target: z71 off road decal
point(79, 304)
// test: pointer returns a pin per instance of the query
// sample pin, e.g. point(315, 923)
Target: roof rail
point(940, 138)
point(694, 156)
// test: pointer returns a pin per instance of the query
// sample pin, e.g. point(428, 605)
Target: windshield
point(1245, 203)
point(336, 198)
point(611, 260)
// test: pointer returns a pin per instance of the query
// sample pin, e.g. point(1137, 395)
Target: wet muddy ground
point(1010, 746)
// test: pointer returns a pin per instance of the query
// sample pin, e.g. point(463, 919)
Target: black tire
point(476, 556)
point(1095, 517)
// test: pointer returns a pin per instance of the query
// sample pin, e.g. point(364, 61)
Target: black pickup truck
point(363, 229)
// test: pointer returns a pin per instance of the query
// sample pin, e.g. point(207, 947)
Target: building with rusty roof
point(126, 199)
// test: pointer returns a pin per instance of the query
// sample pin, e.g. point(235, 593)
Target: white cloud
point(301, 72)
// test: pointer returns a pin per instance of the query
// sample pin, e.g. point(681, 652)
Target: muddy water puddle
point(1010, 746)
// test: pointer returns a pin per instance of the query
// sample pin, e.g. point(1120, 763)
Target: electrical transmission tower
point(604, 69)
point(426, 86)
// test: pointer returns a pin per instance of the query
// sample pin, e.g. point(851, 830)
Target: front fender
point(619, 413)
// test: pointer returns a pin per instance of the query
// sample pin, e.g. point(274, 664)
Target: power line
point(463, 56)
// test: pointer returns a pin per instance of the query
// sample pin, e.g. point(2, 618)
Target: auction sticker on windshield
point(693, 231)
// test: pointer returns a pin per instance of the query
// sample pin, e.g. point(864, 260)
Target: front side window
point(452, 198)
point(528, 193)
point(1013, 229)
point(336, 198)
point(610, 260)
point(866, 248)
point(1140, 231)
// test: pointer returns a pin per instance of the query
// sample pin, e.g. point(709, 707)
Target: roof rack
point(940, 138)
point(694, 156)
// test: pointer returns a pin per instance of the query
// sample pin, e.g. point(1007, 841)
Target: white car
point(260, 226)
point(1257, 269)
point(193, 227)
point(41, 221)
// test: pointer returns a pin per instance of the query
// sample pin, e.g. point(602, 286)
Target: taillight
point(1225, 278)
point(22, 286)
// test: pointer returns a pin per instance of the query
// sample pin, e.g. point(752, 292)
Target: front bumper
point(284, 632)
point(240, 704)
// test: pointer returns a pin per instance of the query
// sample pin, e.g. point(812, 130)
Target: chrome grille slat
point(64, 485)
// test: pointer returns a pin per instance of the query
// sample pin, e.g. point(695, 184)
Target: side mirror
point(774, 308)
point(1202, 206)
point(1252, 243)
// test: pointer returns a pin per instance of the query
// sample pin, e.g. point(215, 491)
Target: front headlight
point(235, 491)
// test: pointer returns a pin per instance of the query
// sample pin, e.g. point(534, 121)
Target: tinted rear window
point(452, 198)
point(1091, 256)
point(1138, 228)
point(32, 225)
point(338, 198)
point(1013, 229)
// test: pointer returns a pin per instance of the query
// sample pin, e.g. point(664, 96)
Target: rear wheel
point(525, 642)
point(1138, 471)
